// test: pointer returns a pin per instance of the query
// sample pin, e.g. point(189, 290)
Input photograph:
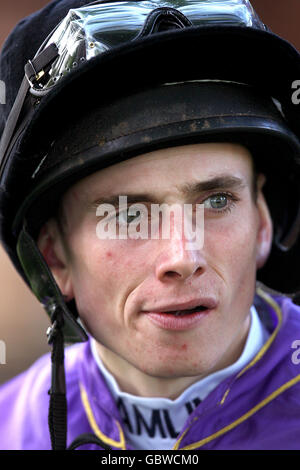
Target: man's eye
point(124, 218)
point(218, 201)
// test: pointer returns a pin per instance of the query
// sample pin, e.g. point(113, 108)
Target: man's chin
point(175, 371)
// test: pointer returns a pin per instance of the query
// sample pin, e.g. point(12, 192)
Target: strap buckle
point(36, 68)
point(51, 332)
point(55, 314)
point(32, 75)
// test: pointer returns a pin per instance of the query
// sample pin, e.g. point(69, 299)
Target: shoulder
point(282, 351)
point(24, 402)
point(289, 315)
point(276, 310)
point(277, 365)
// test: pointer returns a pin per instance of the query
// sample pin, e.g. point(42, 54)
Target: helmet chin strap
point(57, 416)
point(64, 327)
point(45, 288)
point(47, 291)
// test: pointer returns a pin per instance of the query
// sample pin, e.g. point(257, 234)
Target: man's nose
point(179, 258)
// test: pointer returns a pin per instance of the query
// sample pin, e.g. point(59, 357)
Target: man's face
point(123, 287)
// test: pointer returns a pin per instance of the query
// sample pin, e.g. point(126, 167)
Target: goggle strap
point(11, 124)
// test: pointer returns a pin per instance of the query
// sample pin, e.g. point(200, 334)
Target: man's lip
point(208, 302)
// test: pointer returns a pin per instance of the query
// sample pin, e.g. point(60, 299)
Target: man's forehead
point(184, 170)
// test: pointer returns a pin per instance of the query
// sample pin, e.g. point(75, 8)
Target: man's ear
point(265, 229)
point(51, 245)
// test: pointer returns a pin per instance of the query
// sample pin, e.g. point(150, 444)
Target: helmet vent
point(164, 19)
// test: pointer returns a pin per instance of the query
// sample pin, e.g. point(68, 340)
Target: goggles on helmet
point(98, 27)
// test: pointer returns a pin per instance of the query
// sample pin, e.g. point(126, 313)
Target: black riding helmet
point(104, 82)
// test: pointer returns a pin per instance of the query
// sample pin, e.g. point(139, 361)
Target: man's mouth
point(186, 308)
point(181, 316)
point(182, 313)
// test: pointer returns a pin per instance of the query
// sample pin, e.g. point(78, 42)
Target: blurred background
point(23, 322)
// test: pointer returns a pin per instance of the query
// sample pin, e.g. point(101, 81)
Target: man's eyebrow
point(130, 198)
point(187, 190)
point(225, 182)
